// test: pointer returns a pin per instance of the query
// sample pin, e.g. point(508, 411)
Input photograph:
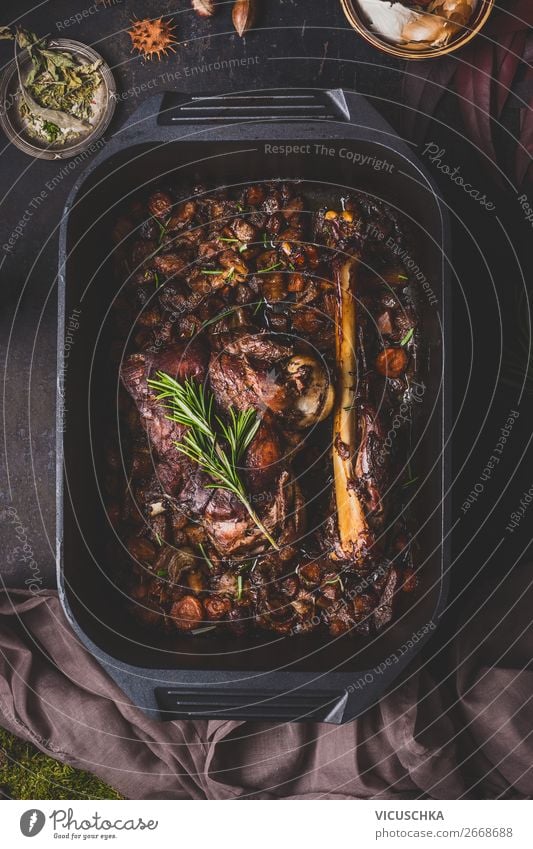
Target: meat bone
point(351, 520)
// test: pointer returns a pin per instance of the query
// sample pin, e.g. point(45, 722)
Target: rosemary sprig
point(408, 336)
point(227, 273)
point(242, 247)
point(162, 229)
point(270, 268)
point(260, 303)
point(218, 317)
point(206, 558)
point(205, 442)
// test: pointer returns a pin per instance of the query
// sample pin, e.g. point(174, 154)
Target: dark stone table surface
point(297, 43)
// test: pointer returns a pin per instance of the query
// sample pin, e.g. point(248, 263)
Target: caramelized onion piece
point(352, 524)
point(187, 613)
point(216, 607)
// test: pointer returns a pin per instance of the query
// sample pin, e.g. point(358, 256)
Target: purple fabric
point(468, 734)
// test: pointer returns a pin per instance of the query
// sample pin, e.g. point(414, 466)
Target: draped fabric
point(468, 734)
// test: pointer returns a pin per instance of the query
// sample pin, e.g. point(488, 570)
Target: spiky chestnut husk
point(152, 37)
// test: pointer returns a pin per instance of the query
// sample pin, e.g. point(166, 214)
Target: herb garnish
point(408, 336)
point(51, 130)
point(270, 268)
point(207, 436)
point(228, 273)
point(243, 247)
point(206, 558)
point(162, 229)
point(218, 317)
point(336, 580)
point(260, 303)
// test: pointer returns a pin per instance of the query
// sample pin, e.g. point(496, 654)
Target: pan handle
point(230, 702)
point(265, 105)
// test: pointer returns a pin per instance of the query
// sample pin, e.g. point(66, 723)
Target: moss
point(25, 773)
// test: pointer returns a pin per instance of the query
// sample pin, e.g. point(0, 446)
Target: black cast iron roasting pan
point(329, 139)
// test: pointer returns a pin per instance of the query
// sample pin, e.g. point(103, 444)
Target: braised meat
point(272, 351)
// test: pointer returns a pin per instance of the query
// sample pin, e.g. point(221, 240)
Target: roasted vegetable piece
point(187, 613)
point(160, 205)
point(310, 574)
point(142, 549)
point(391, 362)
point(216, 607)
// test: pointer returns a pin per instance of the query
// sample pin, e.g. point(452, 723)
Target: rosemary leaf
point(217, 317)
point(408, 336)
point(270, 268)
point(206, 558)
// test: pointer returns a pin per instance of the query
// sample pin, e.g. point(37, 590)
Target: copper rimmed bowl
point(356, 17)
